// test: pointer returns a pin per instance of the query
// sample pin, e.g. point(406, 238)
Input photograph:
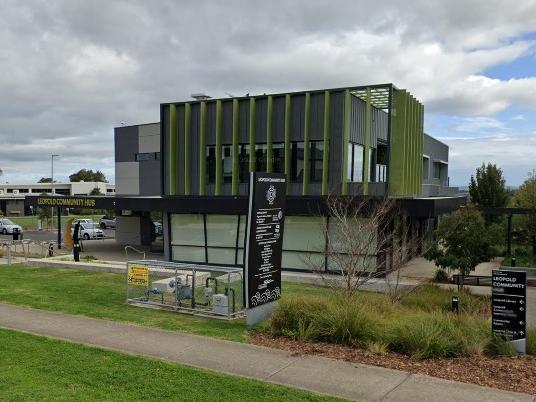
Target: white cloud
point(72, 70)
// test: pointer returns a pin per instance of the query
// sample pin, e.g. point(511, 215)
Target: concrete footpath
point(327, 376)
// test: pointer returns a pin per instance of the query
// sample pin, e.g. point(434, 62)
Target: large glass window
point(297, 158)
point(211, 164)
point(278, 158)
point(227, 163)
point(304, 233)
point(221, 230)
point(187, 229)
point(355, 162)
point(260, 157)
point(243, 163)
point(316, 155)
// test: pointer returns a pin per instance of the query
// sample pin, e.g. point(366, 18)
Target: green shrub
point(441, 276)
point(422, 326)
point(499, 347)
point(531, 340)
point(521, 252)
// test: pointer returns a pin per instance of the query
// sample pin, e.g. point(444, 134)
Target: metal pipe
point(215, 283)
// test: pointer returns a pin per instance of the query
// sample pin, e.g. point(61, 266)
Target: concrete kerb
point(317, 374)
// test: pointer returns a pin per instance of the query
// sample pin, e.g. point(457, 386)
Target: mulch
point(506, 373)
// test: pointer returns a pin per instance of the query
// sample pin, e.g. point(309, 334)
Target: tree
point(462, 241)
point(364, 241)
point(487, 187)
point(95, 191)
point(88, 175)
point(525, 197)
point(46, 180)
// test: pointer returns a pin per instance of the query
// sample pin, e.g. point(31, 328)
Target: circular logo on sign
point(270, 195)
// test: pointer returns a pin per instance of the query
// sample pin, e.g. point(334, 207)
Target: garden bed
point(507, 373)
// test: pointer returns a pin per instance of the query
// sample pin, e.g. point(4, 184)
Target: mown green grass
point(103, 295)
point(36, 368)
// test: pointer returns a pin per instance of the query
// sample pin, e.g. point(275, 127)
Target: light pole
point(52, 182)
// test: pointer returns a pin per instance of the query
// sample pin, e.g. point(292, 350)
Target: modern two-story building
point(365, 141)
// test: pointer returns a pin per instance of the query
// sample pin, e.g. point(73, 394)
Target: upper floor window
point(355, 163)
point(147, 156)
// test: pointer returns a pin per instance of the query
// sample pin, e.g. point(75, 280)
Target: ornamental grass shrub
point(531, 340)
point(421, 326)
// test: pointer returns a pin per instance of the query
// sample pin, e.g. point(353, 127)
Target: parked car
point(7, 227)
point(106, 222)
point(90, 221)
point(89, 231)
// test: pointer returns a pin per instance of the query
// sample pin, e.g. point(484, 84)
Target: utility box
point(220, 304)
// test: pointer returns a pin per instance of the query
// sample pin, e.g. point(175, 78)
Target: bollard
point(50, 249)
point(455, 304)
point(513, 261)
point(76, 251)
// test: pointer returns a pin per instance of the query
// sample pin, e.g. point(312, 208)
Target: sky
point(71, 71)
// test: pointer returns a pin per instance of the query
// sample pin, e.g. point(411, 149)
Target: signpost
point(509, 306)
point(264, 244)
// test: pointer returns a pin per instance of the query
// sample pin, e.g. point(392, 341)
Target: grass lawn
point(37, 368)
point(102, 295)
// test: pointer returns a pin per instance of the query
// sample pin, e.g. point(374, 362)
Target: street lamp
point(52, 181)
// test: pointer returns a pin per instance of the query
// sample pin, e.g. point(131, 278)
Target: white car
point(8, 227)
point(89, 231)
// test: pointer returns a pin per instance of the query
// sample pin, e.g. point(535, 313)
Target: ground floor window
point(220, 240)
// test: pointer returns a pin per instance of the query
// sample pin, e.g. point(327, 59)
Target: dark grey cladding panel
point(194, 150)
point(164, 128)
point(380, 123)
point(126, 143)
point(435, 149)
point(316, 130)
point(296, 188)
point(227, 188)
point(278, 124)
point(211, 123)
point(260, 119)
point(297, 107)
point(150, 178)
point(336, 134)
point(244, 121)
point(209, 188)
point(357, 120)
point(180, 147)
point(227, 123)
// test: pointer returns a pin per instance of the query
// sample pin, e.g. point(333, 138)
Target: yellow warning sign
point(138, 276)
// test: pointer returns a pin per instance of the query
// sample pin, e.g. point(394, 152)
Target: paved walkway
point(347, 380)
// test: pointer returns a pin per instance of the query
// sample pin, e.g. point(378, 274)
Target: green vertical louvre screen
point(235, 150)
point(366, 145)
point(287, 141)
point(219, 149)
point(187, 146)
point(345, 141)
point(325, 156)
point(269, 134)
point(251, 130)
point(172, 147)
point(306, 143)
point(202, 148)
point(405, 170)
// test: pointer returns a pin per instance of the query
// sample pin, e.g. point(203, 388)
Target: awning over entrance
point(295, 205)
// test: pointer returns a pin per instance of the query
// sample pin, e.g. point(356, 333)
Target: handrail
point(127, 247)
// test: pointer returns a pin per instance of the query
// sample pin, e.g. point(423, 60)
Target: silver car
point(8, 227)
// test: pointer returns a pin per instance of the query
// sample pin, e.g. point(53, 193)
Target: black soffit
point(295, 205)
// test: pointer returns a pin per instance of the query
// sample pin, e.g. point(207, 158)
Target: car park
point(8, 227)
point(107, 222)
point(89, 231)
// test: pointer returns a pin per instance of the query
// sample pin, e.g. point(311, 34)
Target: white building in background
point(12, 195)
